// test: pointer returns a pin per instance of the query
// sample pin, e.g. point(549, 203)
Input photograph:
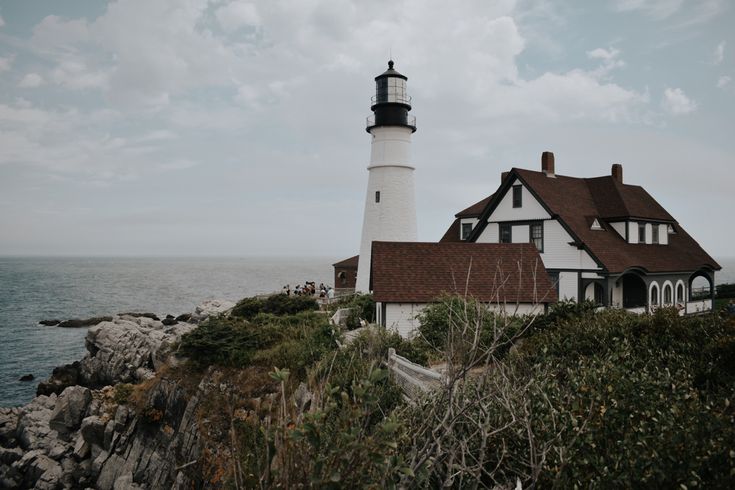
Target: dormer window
point(517, 196)
point(596, 225)
point(466, 230)
point(654, 235)
point(641, 233)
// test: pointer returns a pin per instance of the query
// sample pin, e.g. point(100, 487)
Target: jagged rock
point(77, 323)
point(8, 425)
point(33, 431)
point(38, 470)
point(169, 321)
point(185, 317)
point(10, 455)
point(27, 377)
point(49, 323)
point(81, 448)
point(123, 351)
point(61, 378)
point(93, 432)
point(152, 316)
point(108, 435)
point(121, 417)
point(70, 408)
point(212, 307)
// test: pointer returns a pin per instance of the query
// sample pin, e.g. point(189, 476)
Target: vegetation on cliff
point(574, 398)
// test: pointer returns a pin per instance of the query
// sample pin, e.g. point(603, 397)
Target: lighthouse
point(390, 207)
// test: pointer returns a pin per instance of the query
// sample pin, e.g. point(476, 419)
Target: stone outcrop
point(78, 434)
point(212, 307)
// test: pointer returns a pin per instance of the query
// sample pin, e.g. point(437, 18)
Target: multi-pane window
point(517, 196)
point(654, 235)
point(505, 233)
point(377, 196)
point(391, 89)
point(641, 233)
point(536, 232)
point(466, 230)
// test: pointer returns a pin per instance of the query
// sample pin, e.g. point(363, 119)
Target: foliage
point(362, 306)
point(122, 393)
point(277, 304)
point(294, 341)
point(726, 291)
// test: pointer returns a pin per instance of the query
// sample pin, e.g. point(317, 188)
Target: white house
point(599, 238)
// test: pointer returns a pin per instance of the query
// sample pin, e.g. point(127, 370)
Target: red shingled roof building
point(406, 276)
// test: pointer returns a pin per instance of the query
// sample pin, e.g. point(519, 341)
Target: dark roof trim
point(498, 196)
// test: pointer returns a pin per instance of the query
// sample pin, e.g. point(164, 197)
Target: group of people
point(309, 288)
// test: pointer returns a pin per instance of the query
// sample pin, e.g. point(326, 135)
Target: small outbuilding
point(407, 276)
point(345, 273)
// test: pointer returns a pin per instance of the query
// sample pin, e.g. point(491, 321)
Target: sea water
point(35, 289)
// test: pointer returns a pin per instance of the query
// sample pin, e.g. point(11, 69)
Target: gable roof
point(475, 210)
point(453, 232)
point(574, 200)
point(348, 263)
point(416, 272)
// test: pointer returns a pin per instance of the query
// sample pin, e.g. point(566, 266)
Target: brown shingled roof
point(351, 262)
point(574, 200)
point(452, 233)
point(410, 272)
point(475, 210)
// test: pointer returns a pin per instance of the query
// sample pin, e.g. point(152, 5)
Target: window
point(466, 230)
point(655, 234)
point(554, 278)
point(654, 295)
point(505, 233)
point(667, 294)
point(679, 293)
point(517, 196)
point(536, 231)
point(641, 233)
point(377, 196)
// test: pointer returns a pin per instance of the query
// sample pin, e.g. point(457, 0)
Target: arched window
point(654, 294)
point(680, 293)
point(667, 294)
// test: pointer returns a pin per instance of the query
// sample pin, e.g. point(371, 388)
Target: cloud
point(2, 22)
point(723, 81)
point(657, 9)
point(6, 62)
point(31, 80)
point(676, 102)
point(719, 54)
point(237, 14)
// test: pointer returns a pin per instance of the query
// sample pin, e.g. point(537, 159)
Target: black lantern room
point(391, 103)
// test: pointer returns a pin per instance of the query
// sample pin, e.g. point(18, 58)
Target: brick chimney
point(547, 163)
point(617, 172)
point(503, 176)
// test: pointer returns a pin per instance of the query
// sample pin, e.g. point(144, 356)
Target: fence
point(412, 378)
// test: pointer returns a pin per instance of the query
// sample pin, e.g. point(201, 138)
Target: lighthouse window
point(377, 196)
point(382, 89)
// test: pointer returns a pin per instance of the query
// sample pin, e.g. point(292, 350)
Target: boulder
point(152, 316)
point(33, 431)
point(70, 409)
point(9, 418)
point(77, 323)
point(27, 377)
point(124, 351)
point(185, 317)
point(49, 323)
point(61, 378)
point(212, 307)
point(169, 321)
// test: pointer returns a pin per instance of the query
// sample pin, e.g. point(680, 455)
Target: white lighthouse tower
point(390, 207)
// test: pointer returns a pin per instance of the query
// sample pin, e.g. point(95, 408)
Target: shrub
point(277, 304)
point(122, 393)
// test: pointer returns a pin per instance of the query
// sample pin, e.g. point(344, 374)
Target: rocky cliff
point(113, 420)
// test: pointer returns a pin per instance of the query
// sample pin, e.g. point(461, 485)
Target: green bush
point(277, 304)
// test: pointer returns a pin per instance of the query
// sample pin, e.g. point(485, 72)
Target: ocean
point(34, 289)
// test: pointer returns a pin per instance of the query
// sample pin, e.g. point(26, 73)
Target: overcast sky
point(194, 127)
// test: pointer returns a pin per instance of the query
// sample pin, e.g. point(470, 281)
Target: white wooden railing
point(413, 379)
